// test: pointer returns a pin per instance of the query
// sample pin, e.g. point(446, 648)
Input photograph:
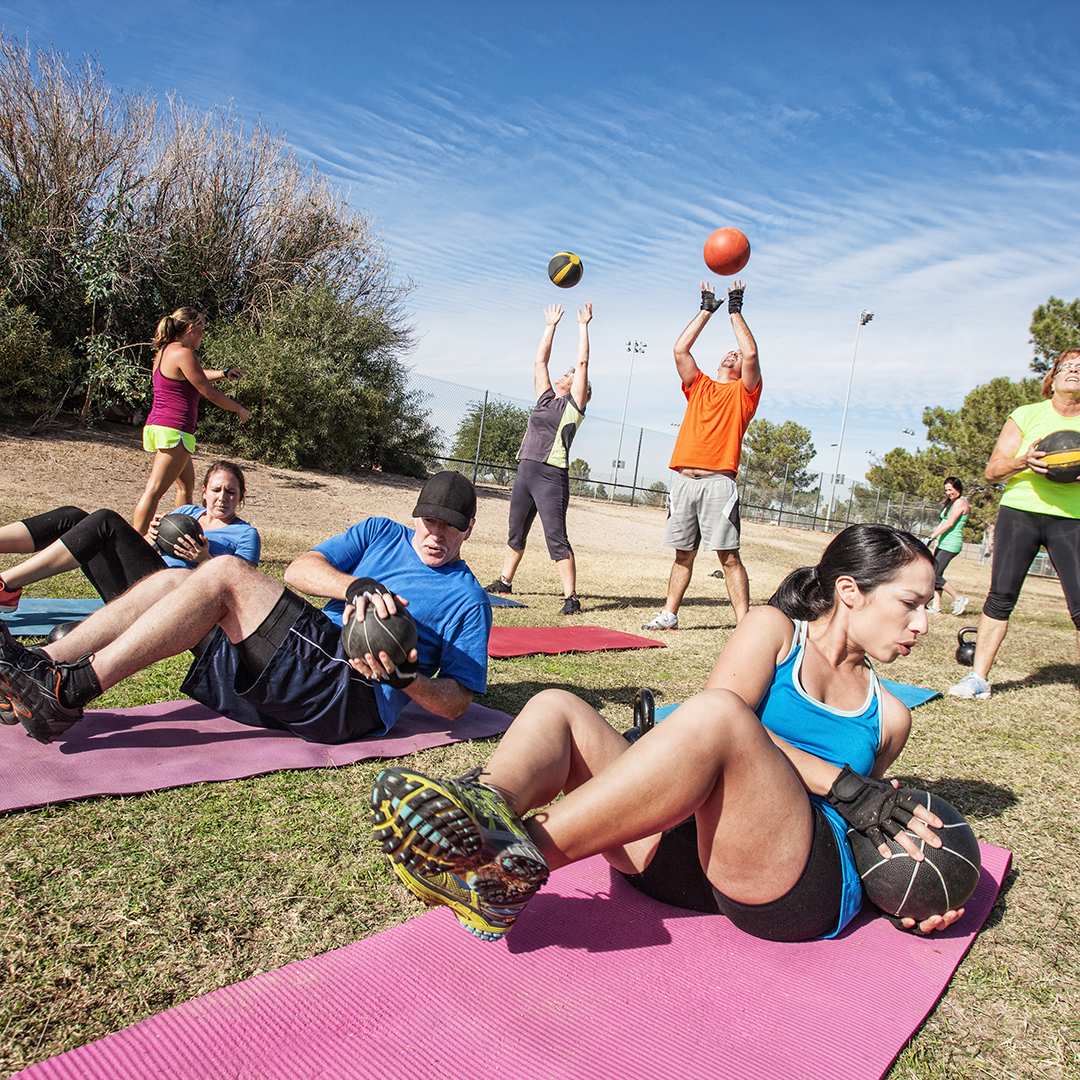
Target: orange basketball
point(727, 251)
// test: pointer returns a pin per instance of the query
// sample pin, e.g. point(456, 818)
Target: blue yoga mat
point(496, 600)
point(911, 696)
point(35, 618)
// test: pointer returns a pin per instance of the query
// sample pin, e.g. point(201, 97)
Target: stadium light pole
point(632, 347)
point(864, 318)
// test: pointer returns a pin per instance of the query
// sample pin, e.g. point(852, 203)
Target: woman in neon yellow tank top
point(1034, 512)
point(950, 539)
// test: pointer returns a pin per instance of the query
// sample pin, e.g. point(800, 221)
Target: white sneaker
point(931, 610)
point(959, 606)
point(664, 621)
point(972, 685)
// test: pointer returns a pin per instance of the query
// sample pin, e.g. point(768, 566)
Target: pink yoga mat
point(126, 751)
point(527, 640)
point(594, 981)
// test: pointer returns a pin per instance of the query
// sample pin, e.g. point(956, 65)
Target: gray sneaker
point(959, 606)
point(971, 685)
point(664, 621)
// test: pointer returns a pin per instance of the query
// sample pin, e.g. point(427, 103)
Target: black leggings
point(809, 909)
point(941, 560)
point(111, 553)
point(1017, 538)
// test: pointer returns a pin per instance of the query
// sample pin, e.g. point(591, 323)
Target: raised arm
point(541, 378)
point(579, 388)
point(751, 369)
point(684, 361)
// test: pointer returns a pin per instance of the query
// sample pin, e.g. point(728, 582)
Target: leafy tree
point(779, 449)
point(1055, 327)
point(580, 472)
point(961, 442)
point(655, 494)
point(32, 372)
point(324, 388)
point(503, 429)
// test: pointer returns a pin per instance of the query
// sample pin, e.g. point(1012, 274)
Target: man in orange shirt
point(704, 499)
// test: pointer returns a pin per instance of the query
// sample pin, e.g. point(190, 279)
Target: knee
point(685, 558)
point(729, 559)
point(716, 717)
point(225, 571)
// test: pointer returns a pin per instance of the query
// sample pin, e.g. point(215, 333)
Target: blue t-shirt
point(236, 538)
point(450, 609)
point(834, 736)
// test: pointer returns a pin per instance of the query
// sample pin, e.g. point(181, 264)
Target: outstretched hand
point(735, 295)
point(585, 316)
point(708, 298)
point(553, 314)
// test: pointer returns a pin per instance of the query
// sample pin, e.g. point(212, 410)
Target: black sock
point(78, 684)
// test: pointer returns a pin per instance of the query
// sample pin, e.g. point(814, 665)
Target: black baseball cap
point(450, 497)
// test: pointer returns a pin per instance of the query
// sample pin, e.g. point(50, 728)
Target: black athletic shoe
point(32, 688)
point(500, 586)
point(8, 715)
point(571, 607)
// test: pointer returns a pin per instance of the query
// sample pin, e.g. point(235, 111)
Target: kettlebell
point(965, 653)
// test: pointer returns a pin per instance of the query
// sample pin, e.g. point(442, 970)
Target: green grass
point(116, 908)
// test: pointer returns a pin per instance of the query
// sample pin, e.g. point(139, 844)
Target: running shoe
point(8, 715)
point(488, 921)
point(971, 685)
point(664, 621)
point(31, 684)
point(960, 605)
point(9, 598)
point(931, 610)
point(432, 826)
point(571, 607)
point(500, 586)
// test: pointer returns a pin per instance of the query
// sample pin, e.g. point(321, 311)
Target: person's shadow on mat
point(613, 921)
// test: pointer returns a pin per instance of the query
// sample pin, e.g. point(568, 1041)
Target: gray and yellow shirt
point(553, 424)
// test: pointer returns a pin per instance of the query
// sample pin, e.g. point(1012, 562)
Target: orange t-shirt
point(717, 416)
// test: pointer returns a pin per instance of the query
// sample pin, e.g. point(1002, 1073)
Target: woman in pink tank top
point(179, 380)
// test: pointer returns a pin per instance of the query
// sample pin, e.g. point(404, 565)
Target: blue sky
point(916, 159)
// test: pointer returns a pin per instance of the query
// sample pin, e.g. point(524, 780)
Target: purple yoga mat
point(594, 980)
point(127, 751)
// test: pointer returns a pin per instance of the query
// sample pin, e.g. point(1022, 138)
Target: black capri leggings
point(1017, 539)
point(111, 553)
point(941, 560)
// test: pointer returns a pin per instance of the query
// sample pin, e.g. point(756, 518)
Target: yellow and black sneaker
point(486, 920)
point(461, 827)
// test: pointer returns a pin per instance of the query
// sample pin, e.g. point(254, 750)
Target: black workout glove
point(403, 674)
point(734, 299)
point(365, 587)
point(871, 806)
point(709, 301)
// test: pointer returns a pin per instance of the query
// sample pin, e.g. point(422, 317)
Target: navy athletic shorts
point(290, 674)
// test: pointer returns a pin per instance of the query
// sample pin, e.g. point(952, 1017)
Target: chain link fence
point(480, 432)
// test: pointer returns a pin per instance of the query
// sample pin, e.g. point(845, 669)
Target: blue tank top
point(833, 735)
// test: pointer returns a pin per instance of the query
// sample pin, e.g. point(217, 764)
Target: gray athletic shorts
point(704, 513)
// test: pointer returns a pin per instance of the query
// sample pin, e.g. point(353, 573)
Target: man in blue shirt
point(270, 658)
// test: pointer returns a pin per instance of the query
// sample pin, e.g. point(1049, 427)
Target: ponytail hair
point(871, 554)
point(173, 327)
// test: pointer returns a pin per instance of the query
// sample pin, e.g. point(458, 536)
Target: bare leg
point(185, 485)
point(225, 592)
point(988, 639)
point(511, 560)
point(108, 623)
point(679, 581)
point(54, 559)
point(737, 582)
point(166, 469)
point(568, 574)
point(15, 539)
point(619, 797)
point(950, 591)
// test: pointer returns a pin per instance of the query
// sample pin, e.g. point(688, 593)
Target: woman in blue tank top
point(738, 803)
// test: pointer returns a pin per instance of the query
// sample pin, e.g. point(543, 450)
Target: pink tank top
point(176, 403)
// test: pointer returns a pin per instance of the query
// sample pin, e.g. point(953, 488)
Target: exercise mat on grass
point(35, 618)
point(594, 980)
point(506, 641)
point(127, 751)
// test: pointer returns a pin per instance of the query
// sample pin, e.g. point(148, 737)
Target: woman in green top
point(950, 539)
